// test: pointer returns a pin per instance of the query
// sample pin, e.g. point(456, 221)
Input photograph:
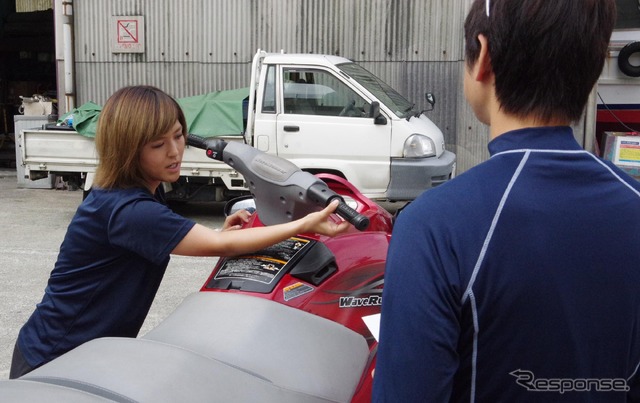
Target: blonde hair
point(131, 118)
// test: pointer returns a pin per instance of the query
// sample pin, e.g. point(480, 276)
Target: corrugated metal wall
point(197, 46)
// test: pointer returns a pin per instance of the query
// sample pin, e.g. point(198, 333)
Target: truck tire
point(624, 64)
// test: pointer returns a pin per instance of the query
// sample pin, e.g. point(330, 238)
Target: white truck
point(323, 113)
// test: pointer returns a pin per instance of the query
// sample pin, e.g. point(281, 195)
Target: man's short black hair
point(546, 54)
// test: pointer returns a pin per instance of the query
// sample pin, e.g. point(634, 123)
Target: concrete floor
point(32, 225)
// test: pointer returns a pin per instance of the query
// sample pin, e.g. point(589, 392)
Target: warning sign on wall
point(127, 34)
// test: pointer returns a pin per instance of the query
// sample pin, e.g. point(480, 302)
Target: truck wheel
point(624, 64)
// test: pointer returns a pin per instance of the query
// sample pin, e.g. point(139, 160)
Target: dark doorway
point(27, 67)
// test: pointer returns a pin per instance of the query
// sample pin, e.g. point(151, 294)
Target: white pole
point(68, 45)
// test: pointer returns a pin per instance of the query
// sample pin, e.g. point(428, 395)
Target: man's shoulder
point(471, 196)
point(470, 187)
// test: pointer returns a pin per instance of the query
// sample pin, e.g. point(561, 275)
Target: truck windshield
point(381, 90)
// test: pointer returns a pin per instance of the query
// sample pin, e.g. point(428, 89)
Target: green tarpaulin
point(83, 118)
point(217, 113)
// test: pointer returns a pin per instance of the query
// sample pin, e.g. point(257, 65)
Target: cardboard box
point(35, 106)
point(623, 148)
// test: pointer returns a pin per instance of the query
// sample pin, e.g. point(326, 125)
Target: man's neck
point(501, 123)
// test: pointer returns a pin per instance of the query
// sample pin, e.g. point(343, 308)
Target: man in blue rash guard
point(519, 280)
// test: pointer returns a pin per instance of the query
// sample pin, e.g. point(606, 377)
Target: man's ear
point(482, 69)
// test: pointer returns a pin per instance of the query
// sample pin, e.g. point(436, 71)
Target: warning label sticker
point(265, 265)
point(296, 290)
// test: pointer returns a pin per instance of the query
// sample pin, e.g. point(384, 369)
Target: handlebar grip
point(213, 147)
point(358, 220)
point(321, 195)
point(197, 141)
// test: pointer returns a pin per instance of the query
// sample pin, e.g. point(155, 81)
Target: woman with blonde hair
point(119, 242)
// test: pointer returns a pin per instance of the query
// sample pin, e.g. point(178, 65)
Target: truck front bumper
point(412, 176)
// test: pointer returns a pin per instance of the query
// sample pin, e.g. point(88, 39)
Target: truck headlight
point(418, 146)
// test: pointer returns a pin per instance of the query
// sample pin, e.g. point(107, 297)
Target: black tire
point(623, 59)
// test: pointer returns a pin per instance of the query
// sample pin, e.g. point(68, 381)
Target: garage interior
point(27, 65)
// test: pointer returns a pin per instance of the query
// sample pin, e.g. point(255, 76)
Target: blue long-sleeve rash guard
point(516, 281)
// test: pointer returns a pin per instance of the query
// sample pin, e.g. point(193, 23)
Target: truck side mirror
point(431, 99)
point(374, 112)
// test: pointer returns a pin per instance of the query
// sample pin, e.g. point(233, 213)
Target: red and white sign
point(128, 34)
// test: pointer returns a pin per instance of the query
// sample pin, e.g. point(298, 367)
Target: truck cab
point(326, 113)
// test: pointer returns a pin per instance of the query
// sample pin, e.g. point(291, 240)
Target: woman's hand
point(202, 241)
point(320, 223)
point(236, 220)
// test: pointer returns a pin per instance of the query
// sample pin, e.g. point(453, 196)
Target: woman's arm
point(203, 241)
